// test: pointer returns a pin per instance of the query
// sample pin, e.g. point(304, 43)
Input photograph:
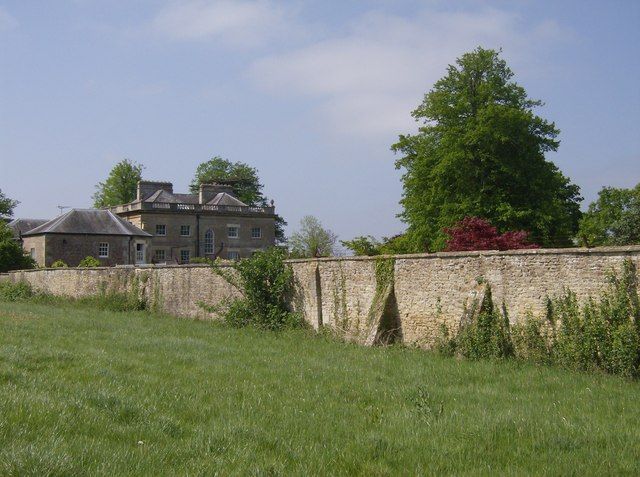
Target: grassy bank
point(96, 392)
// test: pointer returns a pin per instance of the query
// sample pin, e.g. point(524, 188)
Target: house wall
point(173, 242)
point(351, 296)
point(37, 244)
point(72, 248)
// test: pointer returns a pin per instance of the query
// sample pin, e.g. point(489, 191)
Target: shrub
point(265, 282)
point(487, 334)
point(59, 264)
point(115, 301)
point(530, 341)
point(18, 291)
point(89, 262)
point(603, 334)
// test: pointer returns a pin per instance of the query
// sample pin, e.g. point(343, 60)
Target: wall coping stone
point(483, 253)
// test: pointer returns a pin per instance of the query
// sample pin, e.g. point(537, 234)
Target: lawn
point(87, 392)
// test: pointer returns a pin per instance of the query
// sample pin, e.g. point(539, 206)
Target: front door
point(139, 253)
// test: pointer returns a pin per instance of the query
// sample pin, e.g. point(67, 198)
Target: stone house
point(87, 232)
point(212, 223)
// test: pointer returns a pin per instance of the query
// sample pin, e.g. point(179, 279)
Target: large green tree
point(480, 151)
point(120, 187)
point(612, 219)
point(242, 177)
point(6, 206)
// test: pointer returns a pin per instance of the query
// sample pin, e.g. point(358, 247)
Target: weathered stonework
point(360, 297)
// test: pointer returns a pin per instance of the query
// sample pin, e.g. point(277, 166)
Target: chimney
point(209, 191)
point(148, 188)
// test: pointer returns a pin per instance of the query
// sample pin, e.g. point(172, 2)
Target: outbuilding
point(87, 232)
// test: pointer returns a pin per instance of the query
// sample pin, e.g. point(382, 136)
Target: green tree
point(6, 205)
point(480, 151)
point(363, 245)
point(12, 257)
point(312, 240)
point(613, 218)
point(243, 179)
point(120, 186)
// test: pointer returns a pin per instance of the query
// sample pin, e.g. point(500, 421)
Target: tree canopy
point(312, 239)
point(613, 218)
point(243, 179)
point(6, 205)
point(12, 256)
point(480, 151)
point(120, 187)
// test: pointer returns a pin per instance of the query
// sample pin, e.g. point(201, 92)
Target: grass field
point(87, 392)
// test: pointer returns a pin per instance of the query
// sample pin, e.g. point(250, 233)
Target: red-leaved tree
point(474, 233)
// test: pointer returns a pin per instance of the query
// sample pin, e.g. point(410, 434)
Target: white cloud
point(370, 79)
point(7, 21)
point(244, 23)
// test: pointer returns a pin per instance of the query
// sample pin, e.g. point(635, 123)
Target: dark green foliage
point(19, 291)
point(368, 245)
point(487, 335)
point(601, 335)
point(265, 282)
point(89, 262)
point(244, 180)
point(480, 151)
point(12, 256)
point(530, 342)
point(6, 206)
point(363, 245)
point(613, 219)
point(115, 301)
point(121, 185)
point(59, 264)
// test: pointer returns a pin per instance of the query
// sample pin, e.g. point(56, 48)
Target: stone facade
point(361, 298)
point(72, 248)
point(212, 223)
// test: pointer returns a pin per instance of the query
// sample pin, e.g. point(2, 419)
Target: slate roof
point(222, 198)
point(167, 197)
point(90, 222)
point(22, 226)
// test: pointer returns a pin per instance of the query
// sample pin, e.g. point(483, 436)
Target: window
point(160, 255)
point(256, 232)
point(232, 231)
point(161, 229)
point(33, 253)
point(233, 255)
point(185, 230)
point(184, 256)
point(208, 242)
point(103, 250)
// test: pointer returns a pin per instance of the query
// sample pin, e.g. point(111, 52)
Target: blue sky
point(312, 93)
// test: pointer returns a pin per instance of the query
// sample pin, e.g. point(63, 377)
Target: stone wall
point(172, 289)
point(427, 290)
point(371, 299)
